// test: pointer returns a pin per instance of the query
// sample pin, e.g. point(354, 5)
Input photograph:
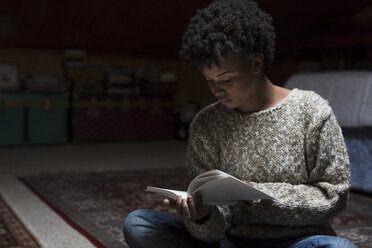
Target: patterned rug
point(96, 204)
point(12, 232)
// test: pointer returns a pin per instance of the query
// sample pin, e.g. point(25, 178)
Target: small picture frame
point(9, 80)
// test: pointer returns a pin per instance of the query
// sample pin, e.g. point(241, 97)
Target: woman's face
point(234, 82)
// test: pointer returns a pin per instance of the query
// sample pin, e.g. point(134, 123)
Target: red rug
point(96, 204)
point(12, 232)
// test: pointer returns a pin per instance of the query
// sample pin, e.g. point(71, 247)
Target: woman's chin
point(229, 104)
point(226, 102)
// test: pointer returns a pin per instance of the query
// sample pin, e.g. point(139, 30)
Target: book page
point(216, 188)
point(229, 189)
point(168, 193)
point(204, 178)
point(210, 173)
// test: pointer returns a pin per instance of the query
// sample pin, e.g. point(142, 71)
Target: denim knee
point(132, 219)
point(131, 226)
point(323, 241)
point(339, 242)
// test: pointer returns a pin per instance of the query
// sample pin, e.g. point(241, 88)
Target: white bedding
point(348, 92)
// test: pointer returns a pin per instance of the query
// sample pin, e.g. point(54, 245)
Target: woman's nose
point(216, 89)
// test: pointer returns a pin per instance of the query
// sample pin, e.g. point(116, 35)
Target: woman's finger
point(170, 203)
point(192, 207)
point(185, 209)
point(179, 207)
point(166, 203)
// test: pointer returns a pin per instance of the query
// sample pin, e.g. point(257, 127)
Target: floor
point(49, 228)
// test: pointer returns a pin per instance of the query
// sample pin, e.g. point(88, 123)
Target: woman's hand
point(191, 208)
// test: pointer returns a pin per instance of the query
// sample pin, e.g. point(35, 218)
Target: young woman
point(285, 143)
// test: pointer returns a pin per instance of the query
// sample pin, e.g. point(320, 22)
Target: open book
point(216, 188)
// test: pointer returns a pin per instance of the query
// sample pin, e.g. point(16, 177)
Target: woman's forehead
point(230, 64)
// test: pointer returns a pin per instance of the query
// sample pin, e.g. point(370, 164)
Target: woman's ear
point(257, 63)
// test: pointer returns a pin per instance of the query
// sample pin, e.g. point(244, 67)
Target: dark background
point(154, 28)
point(312, 35)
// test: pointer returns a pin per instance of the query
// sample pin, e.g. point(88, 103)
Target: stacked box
point(47, 118)
point(11, 119)
point(119, 118)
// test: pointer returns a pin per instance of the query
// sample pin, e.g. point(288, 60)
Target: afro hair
point(228, 27)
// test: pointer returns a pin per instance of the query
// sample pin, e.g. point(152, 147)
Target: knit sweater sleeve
point(203, 155)
point(324, 194)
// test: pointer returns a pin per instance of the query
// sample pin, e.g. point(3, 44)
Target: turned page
point(216, 188)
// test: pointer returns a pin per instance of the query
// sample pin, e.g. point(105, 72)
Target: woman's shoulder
point(208, 113)
point(209, 116)
point(311, 103)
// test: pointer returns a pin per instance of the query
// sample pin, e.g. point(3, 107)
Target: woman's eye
point(227, 81)
point(210, 81)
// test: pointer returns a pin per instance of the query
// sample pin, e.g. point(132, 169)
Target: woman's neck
point(265, 96)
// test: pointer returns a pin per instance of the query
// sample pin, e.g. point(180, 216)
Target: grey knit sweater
point(293, 151)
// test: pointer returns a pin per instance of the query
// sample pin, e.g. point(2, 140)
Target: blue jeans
point(149, 228)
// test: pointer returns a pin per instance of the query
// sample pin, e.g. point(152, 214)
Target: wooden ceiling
point(154, 28)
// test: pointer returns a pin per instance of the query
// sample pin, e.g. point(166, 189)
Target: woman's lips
point(225, 100)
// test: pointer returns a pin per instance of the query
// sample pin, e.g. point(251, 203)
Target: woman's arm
point(203, 155)
point(326, 191)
